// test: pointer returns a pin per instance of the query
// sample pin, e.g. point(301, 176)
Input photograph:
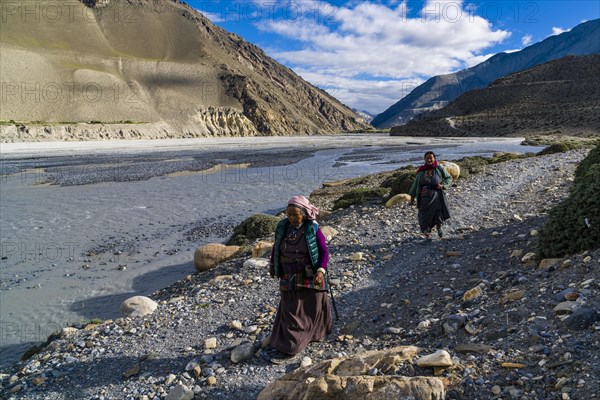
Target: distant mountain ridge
point(149, 69)
point(557, 98)
point(365, 115)
point(439, 90)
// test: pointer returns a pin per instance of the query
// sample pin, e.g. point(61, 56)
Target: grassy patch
point(476, 164)
point(359, 196)
point(574, 224)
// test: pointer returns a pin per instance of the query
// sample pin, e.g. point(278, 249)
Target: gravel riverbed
point(403, 291)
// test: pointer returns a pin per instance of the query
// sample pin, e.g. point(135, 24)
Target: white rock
point(137, 306)
point(440, 358)
point(210, 343)
point(170, 379)
point(528, 257)
point(256, 262)
point(329, 232)
point(68, 331)
point(306, 361)
point(358, 256)
point(236, 325)
point(399, 198)
point(424, 325)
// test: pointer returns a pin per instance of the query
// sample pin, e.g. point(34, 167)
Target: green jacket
point(442, 173)
point(310, 233)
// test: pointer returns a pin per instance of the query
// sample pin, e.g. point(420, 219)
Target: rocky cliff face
point(148, 67)
point(438, 91)
point(561, 97)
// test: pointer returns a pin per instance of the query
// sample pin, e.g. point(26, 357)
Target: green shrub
point(400, 181)
point(471, 165)
point(574, 224)
point(252, 228)
point(560, 147)
point(359, 196)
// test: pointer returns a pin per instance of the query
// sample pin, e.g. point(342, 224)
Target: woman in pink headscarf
point(299, 259)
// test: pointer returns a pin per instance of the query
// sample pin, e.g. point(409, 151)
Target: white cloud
point(558, 31)
point(213, 17)
point(370, 95)
point(374, 45)
point(526, 40)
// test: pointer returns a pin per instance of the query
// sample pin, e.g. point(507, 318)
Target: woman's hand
point(440, 186)
point(319, 278)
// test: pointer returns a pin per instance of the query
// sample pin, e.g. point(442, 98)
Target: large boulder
point(210, 255)
point(137, 306)
point(348, 378)
point(452, 168)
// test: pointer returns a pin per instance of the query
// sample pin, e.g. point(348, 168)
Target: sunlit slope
point(152, 61)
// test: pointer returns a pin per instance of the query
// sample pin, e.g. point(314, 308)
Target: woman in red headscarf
point(299, 259)
point(428, 190)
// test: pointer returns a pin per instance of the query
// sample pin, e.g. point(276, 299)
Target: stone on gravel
point(180, 392)
point(137, 306)
point(397, 199)
point(440, 358)
point(256, 263)
point(243, 352)
point(212, 254)
point(262, 248)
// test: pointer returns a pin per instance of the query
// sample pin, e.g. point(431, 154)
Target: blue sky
point(369, 54)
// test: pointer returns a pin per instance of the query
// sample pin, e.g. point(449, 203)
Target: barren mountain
point(439, 90)
point(93, 69)
point(561, 97)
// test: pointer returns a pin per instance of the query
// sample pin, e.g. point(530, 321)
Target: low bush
point(255, 227)
point(400, 181)
point(574, 224)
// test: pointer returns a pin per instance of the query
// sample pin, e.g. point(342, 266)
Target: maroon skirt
point(303, 316)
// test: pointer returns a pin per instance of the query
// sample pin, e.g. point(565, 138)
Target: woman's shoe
point(282, 358)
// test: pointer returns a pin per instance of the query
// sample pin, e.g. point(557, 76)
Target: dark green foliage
point(557, 148)
point(471, 165)
point(359, 196)
point(255, 227)
point(567, 231)
point(401, 180)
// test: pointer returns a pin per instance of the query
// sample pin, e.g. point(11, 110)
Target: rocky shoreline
point(514, 328)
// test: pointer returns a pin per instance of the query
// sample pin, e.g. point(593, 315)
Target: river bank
point(387, 299)
point(86, 225)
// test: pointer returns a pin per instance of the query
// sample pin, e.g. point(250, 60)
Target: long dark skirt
point(303, 316)
point(433, 210)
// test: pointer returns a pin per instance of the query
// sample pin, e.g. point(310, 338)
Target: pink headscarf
point(301, 201)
